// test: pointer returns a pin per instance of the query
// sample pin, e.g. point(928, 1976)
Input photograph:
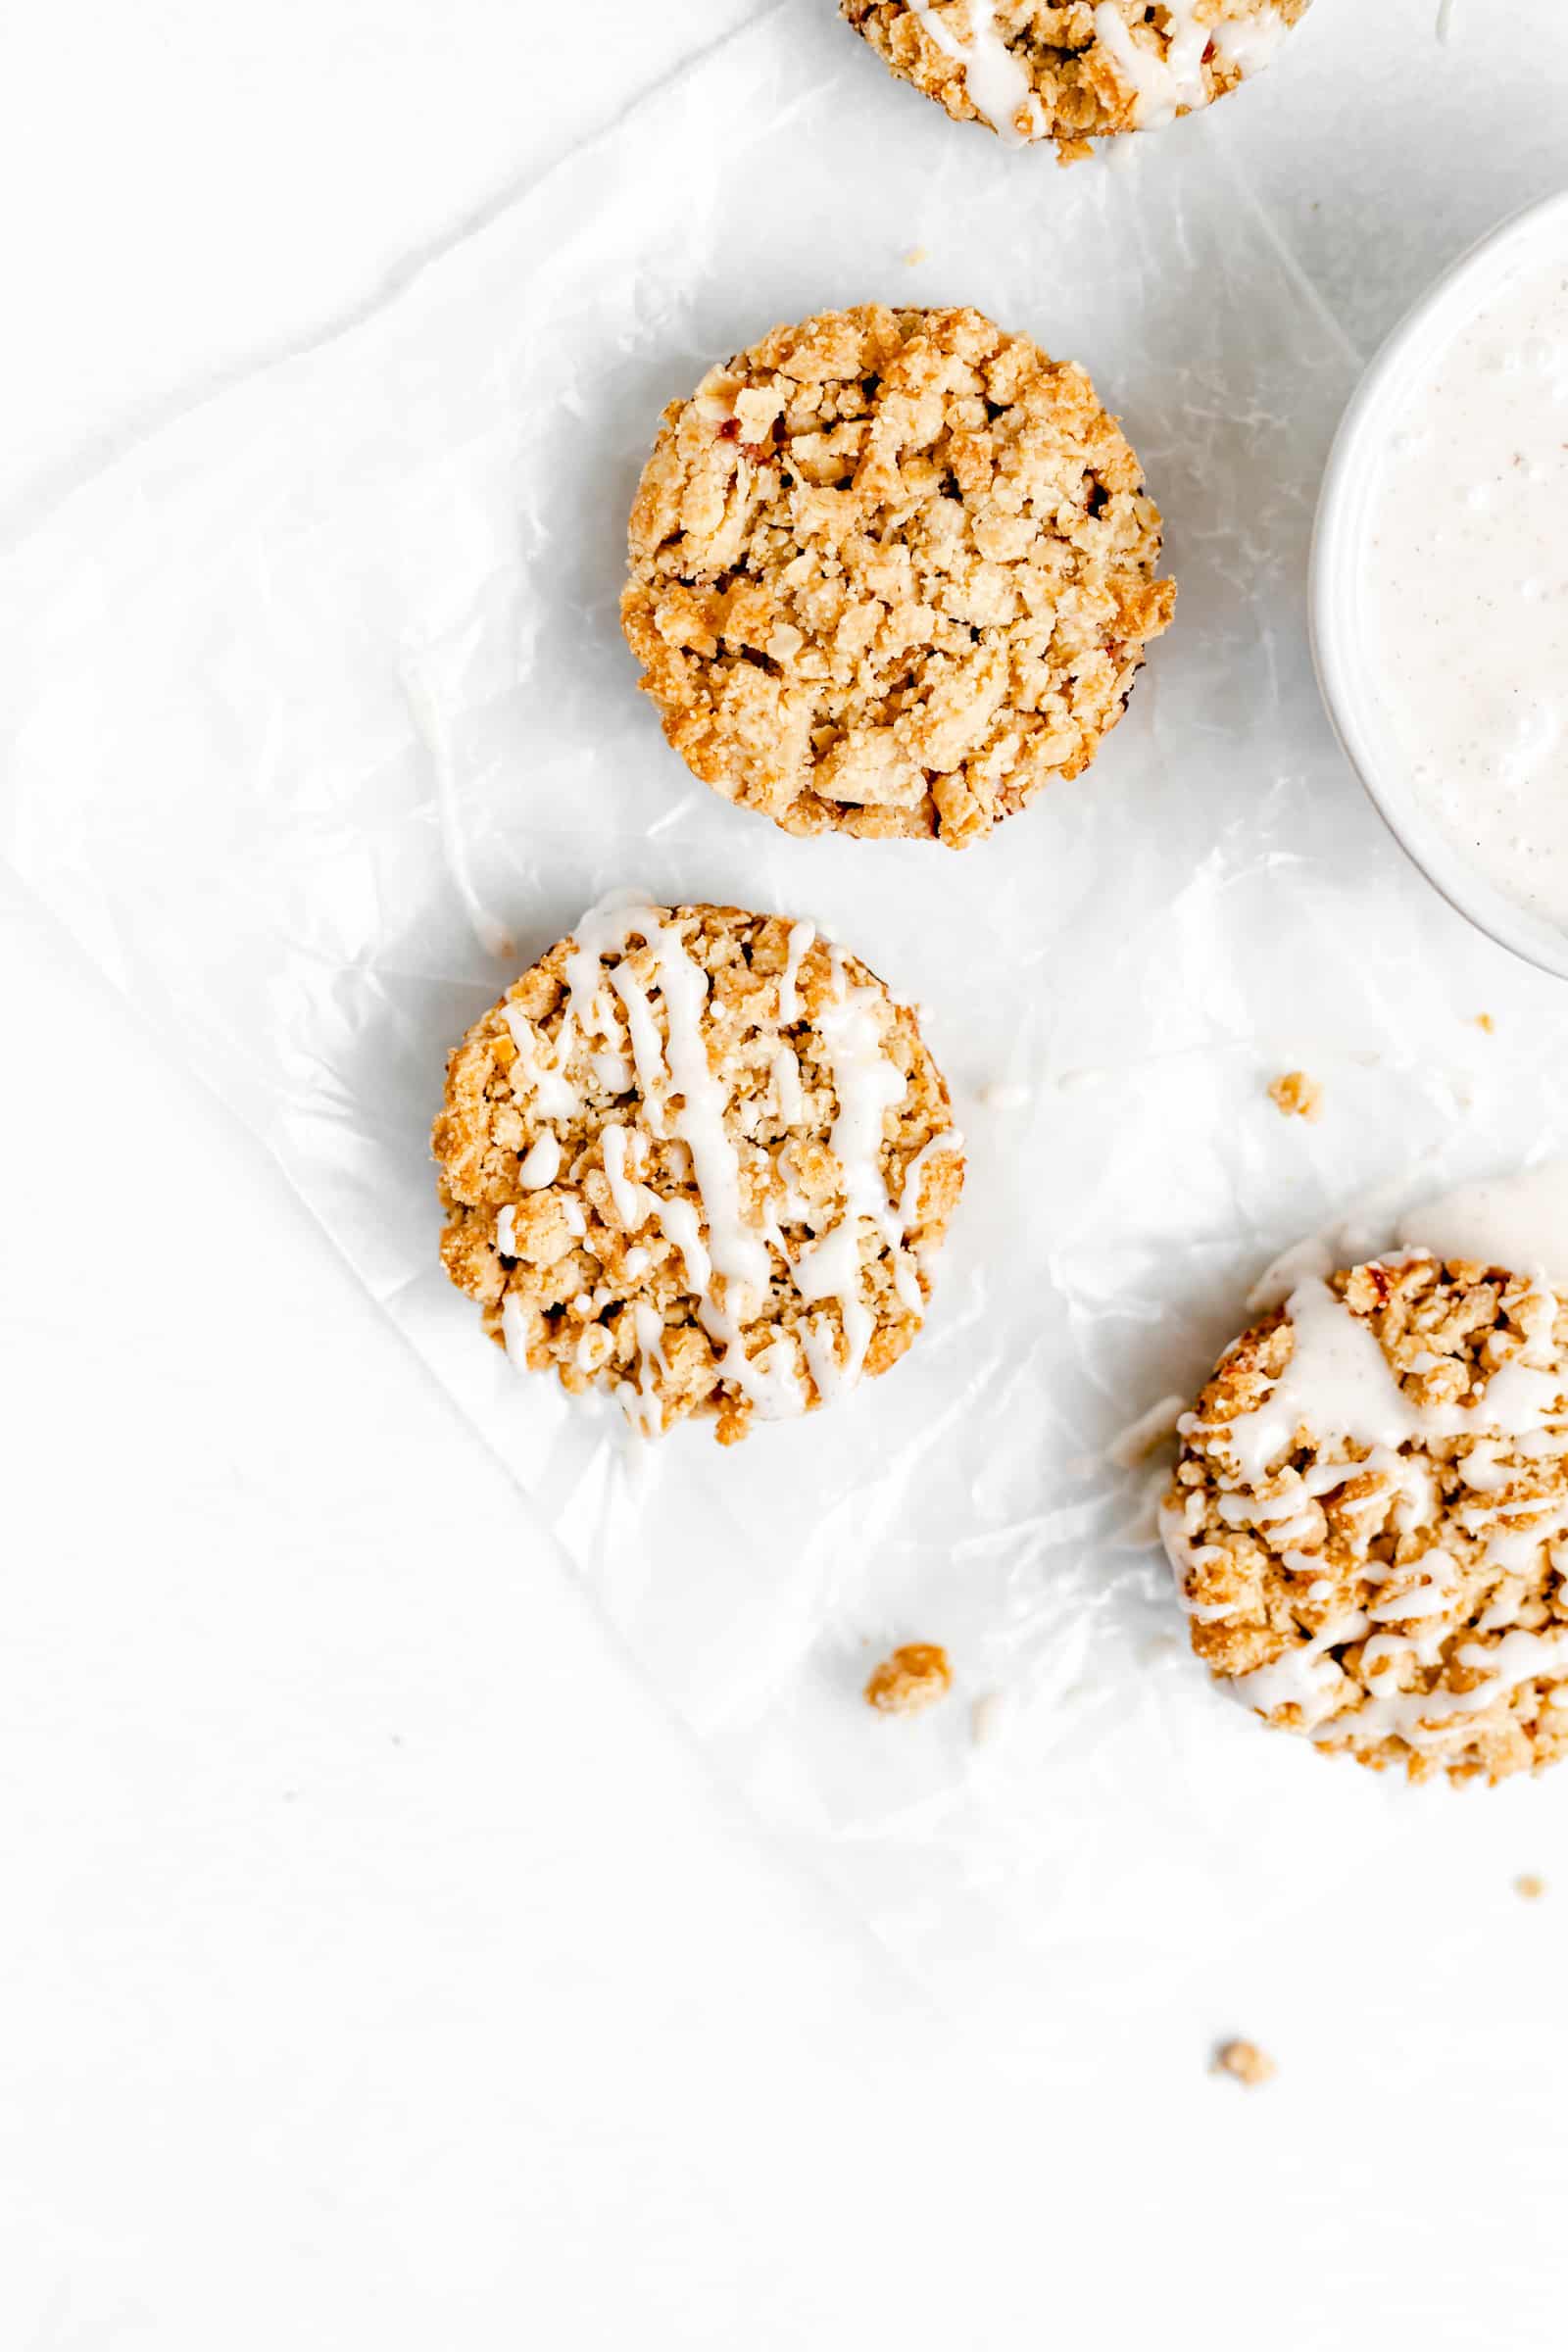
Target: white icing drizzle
point(796, 947)
point(787, 1084)
point(554, 1097)
point(641, 1405)
point(505, 1236)
point(770, 1380)
point(998, 86)
point(1249, 43)
point(725, 1253)
point(633, 1203)
point(541, 1163)
point(682, 1225)
point(1306, 1678)
point(514, 1331)
point(1168, 86)
point(1337, 1381)
point(869, 1085)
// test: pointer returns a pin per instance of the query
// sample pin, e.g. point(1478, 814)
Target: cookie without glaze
point(701, 1161)
point(891, 573)
point(1091, 70)
point(1369, 1520)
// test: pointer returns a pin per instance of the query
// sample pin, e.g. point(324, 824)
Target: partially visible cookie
point(1088, 70)
point(701, 1161)
point(892, 571)
point(1369, 1519)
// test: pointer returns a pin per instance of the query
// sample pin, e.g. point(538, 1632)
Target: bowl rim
point(1335, 549)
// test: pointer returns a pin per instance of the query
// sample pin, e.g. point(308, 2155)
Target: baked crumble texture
point(1429, 1578)
point(596, 1284)
point(1296, 1096)
point(1076, 89)
point(914, 1677)
point(891, 573)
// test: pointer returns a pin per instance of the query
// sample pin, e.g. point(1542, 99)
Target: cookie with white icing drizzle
point(1084, 71)
point(1369, 1518)
point(701, 1161)
point(892, 572)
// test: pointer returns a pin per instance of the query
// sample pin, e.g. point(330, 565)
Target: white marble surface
point(378, 1963)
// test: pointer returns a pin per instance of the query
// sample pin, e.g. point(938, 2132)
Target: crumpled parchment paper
point(318, 727)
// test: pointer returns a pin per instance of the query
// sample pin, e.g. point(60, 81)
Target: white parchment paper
point(316, 727)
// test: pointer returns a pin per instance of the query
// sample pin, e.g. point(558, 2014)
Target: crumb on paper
point(915, 255)
point(1296, 1096)
point(1140, 1438)
point(1484, 1020)
point(986, 1717)
point(1529, 1885)
point(915, 1676)
point(1245, 2063)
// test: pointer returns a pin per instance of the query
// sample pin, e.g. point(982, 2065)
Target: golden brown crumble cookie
point(890, 571)
point(1369, 1520)
point(1085, 71)
point(701, 1161)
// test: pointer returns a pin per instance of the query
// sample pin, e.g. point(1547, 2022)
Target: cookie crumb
point(915, 255)
point(915, 1676)
point(1245, 2063)
point(1296, 1096)
point(1530, 1886)
point(1484, 1020)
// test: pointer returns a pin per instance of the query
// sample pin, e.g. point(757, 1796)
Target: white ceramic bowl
point(1341, 639)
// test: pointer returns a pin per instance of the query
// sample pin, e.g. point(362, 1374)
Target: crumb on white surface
point(1531, 1885)
point(915, 255)
point(1296, 1096)
point(913, 1677)
point(1245, 2063)
point(1484, 1020)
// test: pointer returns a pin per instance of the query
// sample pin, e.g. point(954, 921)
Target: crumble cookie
point(701, 1161)
point(1369, 1520)
point(1082, 71)
point(891, 573)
